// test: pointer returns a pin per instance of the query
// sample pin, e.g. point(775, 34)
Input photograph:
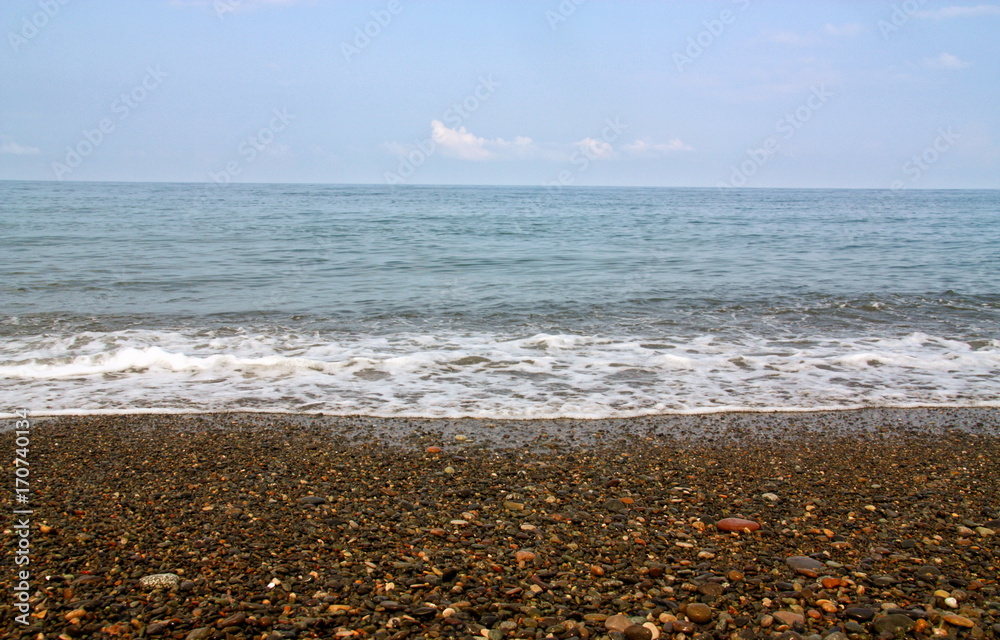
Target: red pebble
point(736, 524)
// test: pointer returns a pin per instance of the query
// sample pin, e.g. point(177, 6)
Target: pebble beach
point(877, 523)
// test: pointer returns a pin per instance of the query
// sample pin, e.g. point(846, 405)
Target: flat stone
point(958, 621)
point(861, 614)
point(736, 524)
point(927, 572)
point(312, 500)
point(790, 618)
point(809, 567)
point(199, 634)
point(234, 620)
point(894, 623)
point(617, 623)
point(614, 504)
point(698, 612)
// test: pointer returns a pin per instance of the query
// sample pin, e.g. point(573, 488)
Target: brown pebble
point(617, 623)
point(790, 618)
point(682, 626)
point(735, 576)
point(698, 612)
point(433, 449)
point(638, 632)
point(736, 524)
point(596, 570)
point(958, 621)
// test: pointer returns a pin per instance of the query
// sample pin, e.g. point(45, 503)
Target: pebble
point(698, 612)
point(790, 618)
point(160, 581)
point(894, 623)
point(958, 621)
point(617, 622)
point(805, 565)
point(312, 500)
point(861, 614)
point(638, 632)
point(773, 497)
point(736, 524)
point(199, 634)
point(616, 505)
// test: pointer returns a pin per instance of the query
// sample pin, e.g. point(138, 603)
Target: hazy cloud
point(945, 61)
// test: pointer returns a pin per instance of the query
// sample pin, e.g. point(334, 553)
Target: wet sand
point(278, 526)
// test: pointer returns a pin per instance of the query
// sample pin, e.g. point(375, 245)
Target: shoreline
point(506, 432)
point(390, 529)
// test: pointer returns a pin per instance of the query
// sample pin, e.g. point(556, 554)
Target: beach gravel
point(256, 526)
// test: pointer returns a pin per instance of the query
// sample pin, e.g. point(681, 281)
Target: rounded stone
point(617, 623)
point(638, 632)
point(736, 524)
point(698, 612)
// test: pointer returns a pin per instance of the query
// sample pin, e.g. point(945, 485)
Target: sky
point(734, 93)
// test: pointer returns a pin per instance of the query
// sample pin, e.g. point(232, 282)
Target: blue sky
point(735, 93)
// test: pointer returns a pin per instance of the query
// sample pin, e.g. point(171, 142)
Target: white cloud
point(594, 148)
point(12, 148)
point(945, 61)
point(459, 142)
point(462, 143)
point(644, 148)
point(961, 12)
point(845, 31)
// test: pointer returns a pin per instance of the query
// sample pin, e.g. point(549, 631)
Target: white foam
point(481, 375)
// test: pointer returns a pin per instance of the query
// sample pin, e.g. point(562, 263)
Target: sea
point(494, 302)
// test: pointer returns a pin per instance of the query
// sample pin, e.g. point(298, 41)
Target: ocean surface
point(505, 302)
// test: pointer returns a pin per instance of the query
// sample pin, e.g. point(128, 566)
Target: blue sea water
point(494, 301)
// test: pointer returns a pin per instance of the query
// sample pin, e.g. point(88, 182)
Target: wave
point(485, 375)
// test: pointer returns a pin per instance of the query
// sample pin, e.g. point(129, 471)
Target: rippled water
point(495, 301)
